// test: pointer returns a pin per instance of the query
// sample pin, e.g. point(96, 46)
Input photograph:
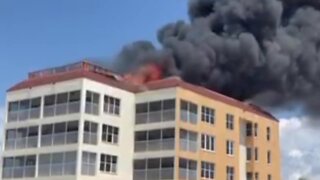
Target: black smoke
point(265, 51)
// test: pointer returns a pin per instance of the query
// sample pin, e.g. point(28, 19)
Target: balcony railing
point(187, 174)
point(156, 116)
point(21, 143)
point(59, 139)
point(24, 115)
point(188, 145)
point(188, 116)
point(154, 145)
point(57, 169)
point(90, 138)
point(154, 174)
point(18, 172)
point(61, 109)
point(92, 108)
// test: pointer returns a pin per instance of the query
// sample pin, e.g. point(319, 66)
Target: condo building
point(83, 122)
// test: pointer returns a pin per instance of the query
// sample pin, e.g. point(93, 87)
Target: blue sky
point(36, 34)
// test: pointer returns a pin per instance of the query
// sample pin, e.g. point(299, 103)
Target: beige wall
point(222, 134)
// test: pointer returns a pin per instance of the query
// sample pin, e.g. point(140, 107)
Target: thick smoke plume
point(265, 51)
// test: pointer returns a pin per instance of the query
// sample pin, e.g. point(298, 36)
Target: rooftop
point(97, 73)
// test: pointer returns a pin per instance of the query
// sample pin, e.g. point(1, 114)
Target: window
point(269, 157)
point(268, 133)
point(188, 141)
point(88, 166)
point(90, 133)
point(59, 133)
point(249, 176)
point(92, 103)
point(249, 154)
point(21, 138)
point(207, 170)
point(207, 142)
point(207, 115)
point(111, 105)
point(61, 104)
point(154, 140)
point(108, 163)
point(155, 111)
point(255, 129)
point(230, 173)
point(256, 176)
point(110, 134)
point(230, 147)
point(24, 109)
point(230, 121)
point(269, 177)
point(256, 154)
point(57, 164)
point(187, 169)
point(249, 129)
point(154, 168)
point(19, 167)
point(188, 112)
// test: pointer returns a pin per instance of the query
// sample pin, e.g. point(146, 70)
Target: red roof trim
point(155, 85)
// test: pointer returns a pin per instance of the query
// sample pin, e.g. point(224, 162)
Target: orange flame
point(144, 74)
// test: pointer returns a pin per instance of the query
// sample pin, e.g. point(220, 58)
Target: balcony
point(155, 117)
point(154, 145)
point(59, 139)
point(187, 145)
point(90, 138)
point(23, 115)
point(154, 174)
point(187, 174)
point(21, 143)
point(61, 109)
point(18, 172)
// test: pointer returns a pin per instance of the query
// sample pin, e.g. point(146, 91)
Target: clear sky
point(36, 34)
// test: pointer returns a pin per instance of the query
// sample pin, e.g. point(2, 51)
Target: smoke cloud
point(264, 51)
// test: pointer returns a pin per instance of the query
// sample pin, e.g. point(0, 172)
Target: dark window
point(49, 100)
point(62, 98)
point(74, 96)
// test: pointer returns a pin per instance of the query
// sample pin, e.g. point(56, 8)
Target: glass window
point(49, 100)
point(142, 108)
point(230, 173)
point(88, 163)
point(168, 133)
point(169, 104)
point(207, 170)
point(62, 98)
point(155, 106)
point(230, 147)
point(14, 106)
point(154, 134)
point(74, 96)
point(73, 126)
point(140, 164)
point(167, 162)
point(230, 121)
point(108, 163)
point(60, 127)
point(153, 163)
point(36, 103)
point(25, 104)
point(110, 134)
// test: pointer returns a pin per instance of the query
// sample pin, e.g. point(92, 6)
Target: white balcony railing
point(23, 115)
point(154, 145)
point(156, 116)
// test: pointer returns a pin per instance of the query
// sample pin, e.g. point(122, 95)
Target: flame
point(145, 74)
